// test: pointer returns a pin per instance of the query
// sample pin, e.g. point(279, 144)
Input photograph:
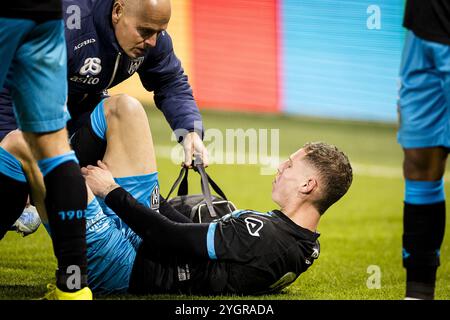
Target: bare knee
point(425, 164)
point(14, 142)
point(124, 107)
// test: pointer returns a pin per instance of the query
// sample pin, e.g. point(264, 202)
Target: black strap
point(197, 164)
point(205, 190)
point(183, 190)
point(216, 187)
point(177, 182)
point(206, 181)
point(201, 170)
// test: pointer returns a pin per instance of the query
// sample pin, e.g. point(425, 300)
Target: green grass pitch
point(363, 229)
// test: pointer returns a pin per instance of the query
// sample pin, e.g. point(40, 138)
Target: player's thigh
point(422, 105)
point(12, 33)
point(39, 85)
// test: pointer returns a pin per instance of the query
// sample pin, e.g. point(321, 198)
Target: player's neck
point(305, 215)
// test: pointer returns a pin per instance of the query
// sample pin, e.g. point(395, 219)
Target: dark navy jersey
point(96, 62)
point(249, 252)
point(40, 11)
point(429, 20)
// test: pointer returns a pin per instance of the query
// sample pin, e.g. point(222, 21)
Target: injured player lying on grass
point(246, 252)
point(135, 248)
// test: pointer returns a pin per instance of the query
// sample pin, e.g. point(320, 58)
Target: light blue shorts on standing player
point(424, 96)
point(34, 68)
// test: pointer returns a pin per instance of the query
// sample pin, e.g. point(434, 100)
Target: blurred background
point(327, 58)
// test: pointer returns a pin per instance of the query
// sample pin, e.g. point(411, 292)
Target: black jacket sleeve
point(188, 238)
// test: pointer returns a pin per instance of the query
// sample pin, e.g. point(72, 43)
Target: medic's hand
point(193, 145)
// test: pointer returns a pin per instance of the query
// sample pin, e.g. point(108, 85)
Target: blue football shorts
point(111, 245)
point(34, 68)
point(424, 96)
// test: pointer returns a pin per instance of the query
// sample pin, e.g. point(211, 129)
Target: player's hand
point(193, 145)
point(99, 179)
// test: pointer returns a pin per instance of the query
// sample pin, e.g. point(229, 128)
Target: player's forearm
point(188, 239)
point(139, 218)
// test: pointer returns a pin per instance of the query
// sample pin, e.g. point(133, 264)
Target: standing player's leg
point(39, 63)
point(110, 252)
point(129, 152)
point(423, 219)
point(424, 134)
point(111, 247)
point(12, 180)
point(122, 120)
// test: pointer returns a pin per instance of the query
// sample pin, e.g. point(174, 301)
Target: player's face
point(290, 175)
point(138, 30)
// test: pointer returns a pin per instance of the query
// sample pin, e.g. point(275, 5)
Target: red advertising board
point(236, 48)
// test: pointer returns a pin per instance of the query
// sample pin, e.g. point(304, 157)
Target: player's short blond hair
point(335, 172)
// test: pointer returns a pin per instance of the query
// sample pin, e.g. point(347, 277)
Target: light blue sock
point(48, 164)
point(424, 192)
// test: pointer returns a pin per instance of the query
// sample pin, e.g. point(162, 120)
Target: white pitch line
point(360, 169)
